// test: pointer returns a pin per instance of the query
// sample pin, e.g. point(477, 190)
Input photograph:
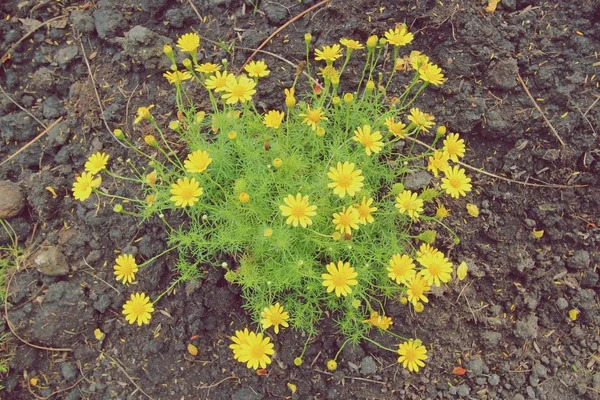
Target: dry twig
point(32, 141)
point(129, 377)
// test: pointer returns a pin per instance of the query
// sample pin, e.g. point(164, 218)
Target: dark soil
point(507, 324)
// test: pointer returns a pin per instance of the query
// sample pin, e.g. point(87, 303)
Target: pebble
point(12, 200)
point(82, 21)
point(576, 332)
point(65, 55)
point(530, 392)
point(494, 379)
point(368, 366)
point(68, 371)
point(579, 260)
point(418, 180)
point(539, 370)
point(562, 303)
point(527, 328)
point(518, 397)
point(106, 20)
point(463, 390)
point(50, 261)
point(596, 381)
point(501, 75)
point(476, 367)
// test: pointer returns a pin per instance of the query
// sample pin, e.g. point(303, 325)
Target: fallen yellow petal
point(461, 271)
point(292, 387)
point(98, 334)
point(473, 210)
point(537, 234)
point(492, 4)
point(193, 350)
point(51, 190)
point(33, 381)
point(573, 313)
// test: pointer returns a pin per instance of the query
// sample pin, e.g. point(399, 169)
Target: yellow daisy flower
point(125, 268)
point(412, 354)
point(437, 268)
point(328, 53)
point(456, 183)
point(351, 44)
point(431, 73)
point(329, 73)
point(254, 350)
point(197, 161)
point(417, 59)
point(138, 309)
point(189, 42)
point(239, 90)
point(96, 163)
point(84, 184)
point(347, 220)
point(397, 129)
point(186, 192)
point(273, 119)
point(240, 343)
point(401, 269)
point(340, 278)
point(421, 120)
point(274, 316)
point(345, 179)
point(371, 140)
point(219, 81)
point(290, 100)
point(207, 68)
point(399, 36)
point(417, 287)
point(365, 210)
point(426, 249)
point(176, 77)
point(257, 69)
point(442, 212)
point(379, 321)
point(454, 146)
point(298, 210)
point(312, 118)
point(143, 113)
point(438, 162)
point(408, 203)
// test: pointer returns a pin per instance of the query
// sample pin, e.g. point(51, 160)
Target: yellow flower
point(365, 210)
point(232, 135)
point(473, 210)
point(454, 146)
point(408, 203)
point(244, 197)
point(96, 163)
point(348, 98)
point(345, 179)
point(274, 316)
point(401, 268)
point(83, 185)
point(290, 100)
point(186, 192)
point(313, 117)
point(277, 163)
point(331, 365)
point(151, 178)
point(328, 53)
point(417, 59)
point(176, 77)
point(268, 232)
point(252, 348)
point(257, 69)
point(298, 210)
point(399, 36)
point(240, 342)
point(371, 140)
point(442, 212)
point(150, 141)
point(441, 130)
point(143, 113)
point(197, 161)
point(379, 321)
point(347, 220)
point(240, 90)
point(431, 73)
point(456, 183)
point(372, 42)
point(412, 354)
point(208, 68)
point(437, 268)
point(438, 162)
point(329, 73)
point(351, 44)
point(417, 288)
point(138, 309)
point(421, 120)
point(426, 249)
point(189, 42)
point(273, 119)
point(125, 268)
point(339, 278)
point(219, 81)
point(397, 129)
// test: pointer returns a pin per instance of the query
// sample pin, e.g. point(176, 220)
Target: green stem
point(157, 256)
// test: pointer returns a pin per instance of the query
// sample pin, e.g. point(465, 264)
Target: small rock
point(596, 381)
point(576, 332)
point(275, 13)
point(561, 303)
point(50, 261)
point(452, 390)
point(154, 346)
point(43, 79)
point(463, 390)
point(246, 394)
point(590, 279)
point(67, 54)
point(102, 303)
point(52, 108)
point(518, 397)
point(106, 20)
point(368, 366)
point(579, 260)
point(82, 21)
point(93, 256)
point(530, 392)
point(491, 338)
point(12, 200)
point(476, 367)
point(527, 328)
point(503, 74)
point(510, 5)
point(68, 371)
point(418, 180)
point(539, 370)
point(175, 17)
point(494, 380)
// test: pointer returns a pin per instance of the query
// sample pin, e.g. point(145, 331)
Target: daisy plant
point(304, 205)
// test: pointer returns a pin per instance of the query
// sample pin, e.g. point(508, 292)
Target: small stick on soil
point(351, 377)
point(5, 58)
point(217, 383)
point(537, 107)
point(22, 108)
point(53, 393)
point(502, 178)
point(592, 106)
point(129, 377)
point(587, 120)
point(32, 141)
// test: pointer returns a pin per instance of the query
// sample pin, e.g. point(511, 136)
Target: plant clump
point(306, 202)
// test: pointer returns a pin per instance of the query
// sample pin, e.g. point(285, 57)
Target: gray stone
point(275, 13)
point(539, 370)
point(596, 381)
point(503, 75)
point(68, 371)
point(246, 394)
point(43, 79)
point(510, 5)
point(176, 17)
point(52, 108)
point(527, 328)
point(154, 346)
point(579, 260)
point(368, 366)
point(494, 380)
point(58, 135)
point(12, 200)
point(93, 256)
point(463, 390)
point(146, 47)
point(102, 303)
point(417, 180)
point(106, 20)
point(518, 397)
point(476, 367)
point(576, 332)
point(562, 303)
point(50, 261)
point(491, 338)
point(65, 55)
point(590, 279)
point(82, 21)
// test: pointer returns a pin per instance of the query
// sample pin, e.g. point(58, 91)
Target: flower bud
point(369, 87)
point(348, 98)
point(335, 101)
point(277, 163)
point(119, 134)
point(150, 141)
point(118, 208)
point(232, 135)
point(331, 365)
point(174, 125)
point(372, 42)
point(187, 63)
point(244, 197)
point(441, 130)
point(307, 38)
point(298, 361)
point(168, 50)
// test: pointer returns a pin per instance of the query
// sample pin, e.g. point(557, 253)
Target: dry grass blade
point(32, 141)
point(118, 364)
point(21, 107)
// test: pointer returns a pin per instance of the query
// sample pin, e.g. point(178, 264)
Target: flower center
point(344, 180)
point(338, 280)
point(238, 91)
point(455, 182)
point(411, 355)
point(314, 116)
point(186, 193)
point(298, 211)
point(434, 269)
point(138, 309)
point(367, 141)
point(256, 352)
